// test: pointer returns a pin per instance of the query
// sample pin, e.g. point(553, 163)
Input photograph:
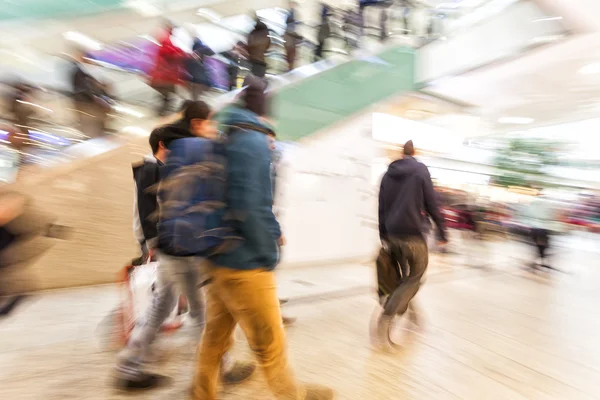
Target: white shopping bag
point(143, 284)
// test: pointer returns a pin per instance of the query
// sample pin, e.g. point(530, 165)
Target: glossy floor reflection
point(495, 332)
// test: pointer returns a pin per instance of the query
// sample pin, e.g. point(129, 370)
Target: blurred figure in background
point(540, 216)
point(291, 36)
point(11, 207)
point(324, 31)
point(243, 288)
point(383, 17)
point(407, 192)
point(353, 28)
point(293, 11)
point(89, 97)
point(196, 74)
point(26, 232)
point(167, 73)
point(291, 42)
point(236, 56)
point(21, 94)
point(258, 44)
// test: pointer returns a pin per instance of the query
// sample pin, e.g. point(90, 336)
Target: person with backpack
point(186, 146)
point(196, 73)
point(243, 289)
point(406, 192)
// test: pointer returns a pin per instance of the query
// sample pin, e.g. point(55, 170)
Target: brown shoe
point(287, 321)
point(319, 392)
point(239, 373)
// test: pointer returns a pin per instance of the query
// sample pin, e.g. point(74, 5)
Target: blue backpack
point(191, 199)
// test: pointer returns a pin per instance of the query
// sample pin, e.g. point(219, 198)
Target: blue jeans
point(175, 276)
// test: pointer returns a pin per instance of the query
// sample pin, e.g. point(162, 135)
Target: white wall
point(506, 34)
point(327, 200)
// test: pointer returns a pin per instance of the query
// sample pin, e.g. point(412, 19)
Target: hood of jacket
point(235, 115)
point(404, 167)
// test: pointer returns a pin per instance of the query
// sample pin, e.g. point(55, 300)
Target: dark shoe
point(143, 381)
point(283, 301)
point(239, 373)
point(318, 392)
point(287, 321)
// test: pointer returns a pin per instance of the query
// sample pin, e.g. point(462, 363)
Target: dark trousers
point(319, 50)
point(166, 91)
point(541, 240)
point(413, 256)
point(258, 69)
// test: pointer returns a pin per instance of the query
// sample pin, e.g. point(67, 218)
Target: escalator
point(93, 193)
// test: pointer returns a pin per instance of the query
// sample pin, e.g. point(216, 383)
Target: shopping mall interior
point(501, 99)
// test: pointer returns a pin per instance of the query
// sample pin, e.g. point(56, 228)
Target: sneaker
point(142, 381)
point(239, 373)
point(287, 321)
point(319, 392)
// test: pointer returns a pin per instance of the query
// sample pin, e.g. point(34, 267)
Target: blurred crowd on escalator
point(40, 118)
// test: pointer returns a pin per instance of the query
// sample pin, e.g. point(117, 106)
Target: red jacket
point(169, 67)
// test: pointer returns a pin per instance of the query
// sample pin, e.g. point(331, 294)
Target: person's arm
point(382, 229)
point(431, 205)
point(247, 165)
point(138, 232)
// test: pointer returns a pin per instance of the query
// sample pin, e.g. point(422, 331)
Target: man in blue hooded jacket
point(243, 289)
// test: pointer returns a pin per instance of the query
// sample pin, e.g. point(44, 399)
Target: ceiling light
point(590, 69)
point(209, 14)
point(515, 120)
point(545, 19)
point(82, 40)
point(143, 8)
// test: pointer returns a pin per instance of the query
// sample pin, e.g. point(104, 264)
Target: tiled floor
point(490, 331)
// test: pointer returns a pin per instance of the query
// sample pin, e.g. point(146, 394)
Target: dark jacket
point(196, 71)
point(249, 198)
point(146, 175)
point(258, 43)
point(82, 84)
point(407, 193)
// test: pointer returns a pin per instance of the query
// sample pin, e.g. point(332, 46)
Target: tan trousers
point(250, 299)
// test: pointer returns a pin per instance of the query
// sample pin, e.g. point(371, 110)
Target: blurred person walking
point(406, 193)
point(167, 73)
point(196, 74)
point(243, 288)
point(324, 31)
point(26, 232)
point(89, 97)
point(258, 44)
point(235, 56)
point(292, 38)
point(540, 216)
point(179, 270)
